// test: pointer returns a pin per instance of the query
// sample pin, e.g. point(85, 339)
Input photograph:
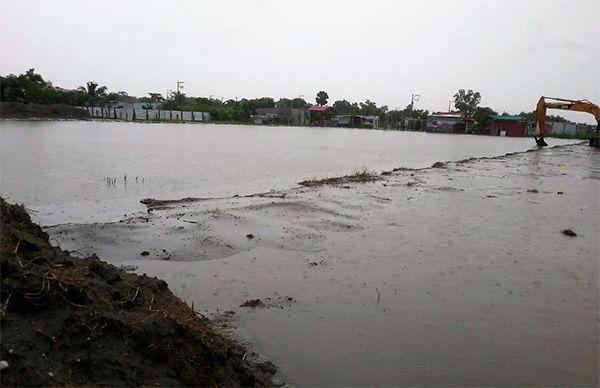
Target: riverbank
point(74, 321)
point(454, 275)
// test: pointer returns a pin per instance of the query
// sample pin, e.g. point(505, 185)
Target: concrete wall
point(558, 128)
point(146, 114)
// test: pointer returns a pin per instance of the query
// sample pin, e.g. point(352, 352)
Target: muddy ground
point(454, 275)
point(74, 321)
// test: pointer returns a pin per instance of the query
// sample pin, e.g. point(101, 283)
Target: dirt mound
point(16, 110)
point(72, 321)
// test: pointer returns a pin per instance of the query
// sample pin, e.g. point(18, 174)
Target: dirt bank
point(16, 110)
point(79, 321)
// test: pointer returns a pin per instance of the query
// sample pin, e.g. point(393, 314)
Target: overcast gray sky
point(510, 51)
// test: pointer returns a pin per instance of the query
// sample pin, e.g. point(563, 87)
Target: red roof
point(318, 108)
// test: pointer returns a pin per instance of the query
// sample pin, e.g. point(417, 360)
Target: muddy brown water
point(456, 276)
point(74, 171)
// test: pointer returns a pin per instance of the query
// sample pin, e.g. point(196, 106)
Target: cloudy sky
point(510, 51)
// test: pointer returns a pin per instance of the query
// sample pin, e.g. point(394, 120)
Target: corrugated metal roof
point(318, 108)
point(507, 118)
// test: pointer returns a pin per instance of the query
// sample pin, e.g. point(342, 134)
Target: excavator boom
point(565, 104)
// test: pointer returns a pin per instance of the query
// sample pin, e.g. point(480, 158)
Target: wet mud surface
point(454, 275)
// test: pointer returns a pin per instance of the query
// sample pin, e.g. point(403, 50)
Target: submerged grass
point(112, 180)
point(357, 176)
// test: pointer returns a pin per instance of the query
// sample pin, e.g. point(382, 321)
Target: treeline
point(31, 87)
point(241, 110)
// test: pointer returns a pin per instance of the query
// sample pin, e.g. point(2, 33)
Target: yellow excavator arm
point(564, 104)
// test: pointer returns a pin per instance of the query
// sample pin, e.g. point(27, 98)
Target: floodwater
point(77, 171)
point(453, 276)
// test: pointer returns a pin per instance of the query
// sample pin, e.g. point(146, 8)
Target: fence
point(128, 114)
point(560, 128)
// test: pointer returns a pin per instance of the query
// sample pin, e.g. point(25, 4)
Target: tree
point(93, 92)
point(294, 103)
point(322, 98)
point(482, 116)
point(299, 103)
point(369, 108)
point(284, 103)
point(120, 96)
point(178, 98)
point(344, 107)
point(466, 102)
point(530, 116)
point(264, 102)
point(156, 97)
point(34, 78)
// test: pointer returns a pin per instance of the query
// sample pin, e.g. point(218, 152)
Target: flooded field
point(458, 275)
point(97, 171)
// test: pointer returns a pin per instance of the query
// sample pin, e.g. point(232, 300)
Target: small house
point(356, 121)
point(513, 126)
point(319, 114)
point(446, 122)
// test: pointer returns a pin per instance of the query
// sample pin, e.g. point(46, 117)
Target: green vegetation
point(229, 110)
point(357, 176)
point(112, 180)
point(322, 98)
point(466, 102)
point(483, 117)
point(31, 88)
point(93, 93)
point(530, 116)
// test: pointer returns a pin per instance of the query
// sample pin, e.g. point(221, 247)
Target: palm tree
point(93, 92)
point(322, 98)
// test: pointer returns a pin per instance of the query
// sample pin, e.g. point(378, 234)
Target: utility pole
point(449, 102)
point(413, 98)
point(300, 111)
point(179, 86)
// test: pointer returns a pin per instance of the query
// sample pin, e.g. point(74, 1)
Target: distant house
point(284, 115)
point(446, 122)
point(356, 121)
point(319, 114)
point(513, 126)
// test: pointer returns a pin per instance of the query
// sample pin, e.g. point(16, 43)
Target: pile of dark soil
point(71, 321)
point(17, 110)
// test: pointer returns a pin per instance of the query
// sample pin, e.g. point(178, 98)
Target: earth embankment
point(67, 320)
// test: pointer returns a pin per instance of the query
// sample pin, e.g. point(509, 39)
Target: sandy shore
point(458, 275)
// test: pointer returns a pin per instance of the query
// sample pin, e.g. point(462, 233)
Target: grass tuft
point(357, 176)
